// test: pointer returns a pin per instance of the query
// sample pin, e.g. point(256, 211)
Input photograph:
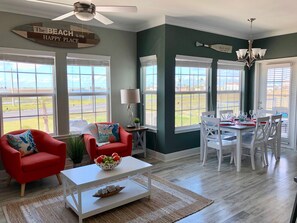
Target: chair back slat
point(261, 130)
point(275, 125)
point(210, 128)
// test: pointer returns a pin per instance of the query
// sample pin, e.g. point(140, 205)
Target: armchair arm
point(126, 137)
point(90, 144)
point(11, 159)
point(50, 145)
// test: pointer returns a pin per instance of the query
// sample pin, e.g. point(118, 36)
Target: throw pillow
point(108, 132)
point(23, 142)
point(92, 130)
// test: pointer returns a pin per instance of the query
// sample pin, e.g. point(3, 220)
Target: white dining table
point(238, 130)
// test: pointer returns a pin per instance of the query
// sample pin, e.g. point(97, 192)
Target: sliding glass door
point(276, 94)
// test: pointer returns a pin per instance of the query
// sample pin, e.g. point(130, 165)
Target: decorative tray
point(108, 191)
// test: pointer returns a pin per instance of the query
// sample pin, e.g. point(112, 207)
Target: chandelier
point(251, 54)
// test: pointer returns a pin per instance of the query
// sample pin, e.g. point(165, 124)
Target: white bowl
point(108, 166)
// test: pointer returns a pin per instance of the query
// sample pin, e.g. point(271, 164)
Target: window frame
point(192, 62)
point(145, 62)
point(32, 57)
point(92, 60)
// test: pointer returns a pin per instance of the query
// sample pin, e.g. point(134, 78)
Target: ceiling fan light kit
point(84, 12)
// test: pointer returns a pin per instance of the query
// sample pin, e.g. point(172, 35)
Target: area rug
point(168, 203)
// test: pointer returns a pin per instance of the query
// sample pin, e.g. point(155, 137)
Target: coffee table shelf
point(80, 184)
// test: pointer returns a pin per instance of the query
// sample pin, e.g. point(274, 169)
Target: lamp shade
point(130, 96)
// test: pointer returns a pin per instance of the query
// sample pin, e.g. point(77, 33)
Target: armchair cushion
point(24, 143)
point(108, 132)
point(38, 161)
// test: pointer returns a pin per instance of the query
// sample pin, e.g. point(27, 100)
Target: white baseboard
point(173, 156)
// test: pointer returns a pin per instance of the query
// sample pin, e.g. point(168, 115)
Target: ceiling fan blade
point(103, 19)
point(64, 16)
point(109, 8)
point(50, 3)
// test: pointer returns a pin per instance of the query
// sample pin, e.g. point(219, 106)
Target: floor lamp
point(129, 97)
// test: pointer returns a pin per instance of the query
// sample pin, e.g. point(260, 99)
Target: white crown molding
point(150, 24)
point(275, 33)
point(187, 24)
point(197, 26)
point(171, 21)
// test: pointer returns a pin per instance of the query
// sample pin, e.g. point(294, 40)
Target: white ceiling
point(227, 17)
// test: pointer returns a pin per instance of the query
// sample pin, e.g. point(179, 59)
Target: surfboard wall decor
point(57, 35)
point(218, 47)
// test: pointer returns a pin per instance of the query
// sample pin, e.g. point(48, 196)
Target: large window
point(88, 89)
point(229, 81)
point(149, 90)
point(27, 90)
point(191, 90)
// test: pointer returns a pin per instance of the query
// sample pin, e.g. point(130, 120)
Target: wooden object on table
point(109, 193)
point(139, 137)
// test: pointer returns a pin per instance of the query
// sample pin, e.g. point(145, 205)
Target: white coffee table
point(79, 185)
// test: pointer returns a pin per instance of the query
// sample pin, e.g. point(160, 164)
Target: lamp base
point(130, 126)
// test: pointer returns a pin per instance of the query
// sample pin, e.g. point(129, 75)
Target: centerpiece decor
point(108, 162)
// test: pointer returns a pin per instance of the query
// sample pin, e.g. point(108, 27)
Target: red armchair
point(123, 148)
point(49, 160)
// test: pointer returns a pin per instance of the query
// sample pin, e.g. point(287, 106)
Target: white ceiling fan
point(85, 10)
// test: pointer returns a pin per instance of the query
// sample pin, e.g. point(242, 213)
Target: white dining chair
point(225, 115)
point(274, 135)
point(212, 138)
point(204, 114)
point(257, 140)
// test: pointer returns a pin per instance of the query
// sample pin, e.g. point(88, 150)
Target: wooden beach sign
point(57, 35)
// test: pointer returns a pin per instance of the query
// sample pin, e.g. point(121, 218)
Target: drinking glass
point(251, 112)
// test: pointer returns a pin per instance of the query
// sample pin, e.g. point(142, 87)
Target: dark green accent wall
point(166, 42)
point(278, 46)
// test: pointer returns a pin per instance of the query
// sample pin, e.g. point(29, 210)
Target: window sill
point(187, 129)
point(151, 129)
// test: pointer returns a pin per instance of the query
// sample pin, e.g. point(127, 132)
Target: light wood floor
point(264, 195)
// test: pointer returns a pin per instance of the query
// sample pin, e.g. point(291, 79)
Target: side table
point(139, 140)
